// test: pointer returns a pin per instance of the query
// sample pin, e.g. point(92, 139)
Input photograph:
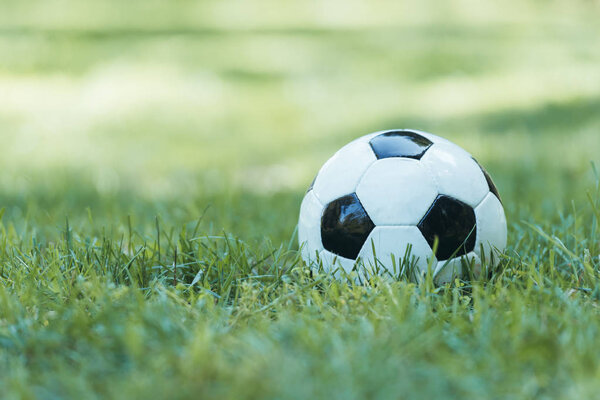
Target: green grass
point(155, 154)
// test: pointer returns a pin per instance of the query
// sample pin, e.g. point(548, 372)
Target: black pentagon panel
point(490, 182)
point(406, 144)
point(453, 223)
point(345, 226)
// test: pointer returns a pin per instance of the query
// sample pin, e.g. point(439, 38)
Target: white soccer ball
point(383, 202)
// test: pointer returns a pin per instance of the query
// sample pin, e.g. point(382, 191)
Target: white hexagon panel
point(456, 173)
point(335, 264)
point(396, 249)
point(447, 271)
point(491, 227)
point(396, 191)
point(309, 227)
point(399, 192)
point(341, 173)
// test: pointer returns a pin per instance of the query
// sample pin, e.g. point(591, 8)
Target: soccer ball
point(383, 202)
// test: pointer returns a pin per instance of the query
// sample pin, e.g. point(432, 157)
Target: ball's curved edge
point(309, 227)
point(492, 230)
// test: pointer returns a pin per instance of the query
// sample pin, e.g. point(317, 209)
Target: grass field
point(154, 156)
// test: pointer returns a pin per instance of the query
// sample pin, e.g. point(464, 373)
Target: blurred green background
point(145, 108)
point(124, 122)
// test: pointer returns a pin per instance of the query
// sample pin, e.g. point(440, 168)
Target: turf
point(154, 156)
